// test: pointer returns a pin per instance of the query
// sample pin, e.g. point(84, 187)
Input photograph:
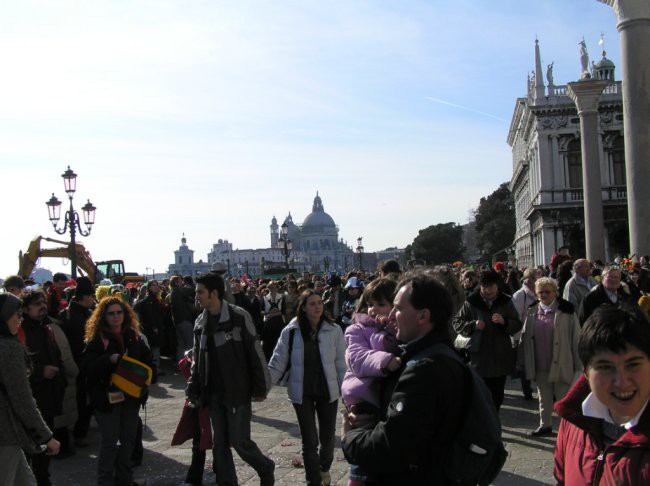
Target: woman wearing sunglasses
point(111, 332)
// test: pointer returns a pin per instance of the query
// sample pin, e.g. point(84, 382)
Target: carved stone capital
point(629, 10)
point(586, 93)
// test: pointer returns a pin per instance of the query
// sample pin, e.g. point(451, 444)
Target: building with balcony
point(547, 168)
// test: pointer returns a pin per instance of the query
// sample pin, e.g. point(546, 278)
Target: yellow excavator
point(111, 269)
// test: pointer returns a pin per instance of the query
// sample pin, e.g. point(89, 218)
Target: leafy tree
point(495, 221)
point(439, 243)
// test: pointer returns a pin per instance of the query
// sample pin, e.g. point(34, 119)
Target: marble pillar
point(585, 94)
point(634, 29)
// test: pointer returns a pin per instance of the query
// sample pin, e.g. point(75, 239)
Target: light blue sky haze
point(209, 117)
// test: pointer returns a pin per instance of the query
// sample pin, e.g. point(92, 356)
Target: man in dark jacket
point(47, 378)
point(422, 416)
point(609, 292)
point(74, 325)
point(151, 313)
point(228, 371)
point(489, 318)
point(183, 312)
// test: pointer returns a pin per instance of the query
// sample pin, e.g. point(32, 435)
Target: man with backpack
point(428, 433)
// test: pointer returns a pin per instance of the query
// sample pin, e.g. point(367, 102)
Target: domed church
point(317, 238)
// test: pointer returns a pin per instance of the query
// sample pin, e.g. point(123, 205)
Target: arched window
point(574, 164)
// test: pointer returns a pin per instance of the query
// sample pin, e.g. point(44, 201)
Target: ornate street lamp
point(285, 244)
point(359, 251)
point(72, 222)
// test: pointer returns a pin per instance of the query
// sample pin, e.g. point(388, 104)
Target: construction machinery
point(111, 269)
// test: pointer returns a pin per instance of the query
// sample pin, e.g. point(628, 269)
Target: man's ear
point(425, 314)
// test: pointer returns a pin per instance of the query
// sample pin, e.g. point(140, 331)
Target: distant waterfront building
point(316, 248)
point(547, 168)
point(317, 239)
point(184, 261)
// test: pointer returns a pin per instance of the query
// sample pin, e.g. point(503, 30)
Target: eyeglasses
point(115, 313)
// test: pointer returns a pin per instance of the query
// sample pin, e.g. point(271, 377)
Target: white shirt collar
point(592, 407)
point(548, 308)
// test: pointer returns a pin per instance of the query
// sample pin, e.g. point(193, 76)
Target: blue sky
point(209, 117)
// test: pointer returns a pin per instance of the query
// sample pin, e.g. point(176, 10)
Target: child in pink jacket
point(370, 355)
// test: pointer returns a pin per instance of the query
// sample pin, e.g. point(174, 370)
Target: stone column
point(585, 94)
point(634, 28)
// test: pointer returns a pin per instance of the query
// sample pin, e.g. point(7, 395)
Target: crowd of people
point(577, 330)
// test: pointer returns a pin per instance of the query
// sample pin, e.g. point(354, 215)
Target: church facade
point(316, 247)
point(546, 179)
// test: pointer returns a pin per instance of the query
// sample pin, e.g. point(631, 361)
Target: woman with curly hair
point(112, 331)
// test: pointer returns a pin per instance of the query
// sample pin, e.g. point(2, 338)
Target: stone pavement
point(275, 430)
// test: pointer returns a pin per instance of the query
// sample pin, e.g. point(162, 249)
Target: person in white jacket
point(310, 359)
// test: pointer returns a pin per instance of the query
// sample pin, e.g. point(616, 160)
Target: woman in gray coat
point(21, 424)
point(310, 359)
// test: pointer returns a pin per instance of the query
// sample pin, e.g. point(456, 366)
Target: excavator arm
point(27, 261)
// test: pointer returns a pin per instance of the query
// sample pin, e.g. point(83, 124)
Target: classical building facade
point(547, 168)
point(184, 263)
point(316, 247)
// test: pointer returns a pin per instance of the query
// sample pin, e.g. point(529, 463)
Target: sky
point(209, 117)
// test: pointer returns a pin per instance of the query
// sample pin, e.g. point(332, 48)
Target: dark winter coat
point(421, 421)
point(581, 456)
point(239, 360)
point(597, 297)
point(20, 421)
point(43, 351)
point(97, 367)
point(74, 326)
point(151, 314)
point(182, 305)
point(495, 356)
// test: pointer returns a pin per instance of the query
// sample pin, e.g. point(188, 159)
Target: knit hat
point(9, 305)
point(84, 287)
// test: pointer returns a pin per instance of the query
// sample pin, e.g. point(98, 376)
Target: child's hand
point(394, 364)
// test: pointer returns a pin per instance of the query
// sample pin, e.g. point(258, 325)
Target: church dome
point(318, 217)
point(293, 232)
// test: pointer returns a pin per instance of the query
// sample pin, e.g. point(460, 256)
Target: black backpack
point(477, 454)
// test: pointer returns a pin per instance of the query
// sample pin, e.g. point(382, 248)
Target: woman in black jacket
point(111, 332)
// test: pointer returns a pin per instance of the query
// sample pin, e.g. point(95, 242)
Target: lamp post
point(72, 222)
point(246, 264)
point(359, 251)
point(285, 244)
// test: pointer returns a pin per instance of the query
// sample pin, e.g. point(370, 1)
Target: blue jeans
point(316, 460)
point(231, 426)
point(119, 424)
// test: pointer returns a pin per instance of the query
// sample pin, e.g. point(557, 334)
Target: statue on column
point(584, 60)
point(549, 74)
